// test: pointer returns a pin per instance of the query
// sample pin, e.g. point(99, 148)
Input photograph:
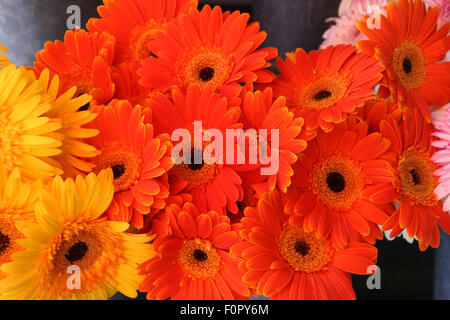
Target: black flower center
point(407, 65)
point(302, 248)
point(76, 252)
point(85, 107)
point(322, 95)
point(415, 176)
point(200, 255)
point(118, 170)
point(5, 242)
point(336, 182)
point(195, 165)
point(206, 74)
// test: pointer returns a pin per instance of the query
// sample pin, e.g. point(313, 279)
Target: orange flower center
point(199, 260)
point(416, 177)
point(143, 37)
point(409, 65)
point(337, 182)
point(304, 251)
point(323, 92)
point(204, 66)
point(125, 163)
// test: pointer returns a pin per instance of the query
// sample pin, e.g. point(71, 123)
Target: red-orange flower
point(419, 210)
point(134, 24)
point(409, 47)
point(209, 48)
point(376, 110)
point(194, 262)
point(283, 261)
point(82, 60)
point(214, 185)
point(138, 158)
point(337, 181)
point(325, 85)
point(261, 112)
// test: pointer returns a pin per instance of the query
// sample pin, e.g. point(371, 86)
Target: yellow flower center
point(204, 66)
point(337, 182)
point(124, 162)
point(199, 260)
point(304, 251)
point(416, 177)
point(409, 65)
point(323, 92)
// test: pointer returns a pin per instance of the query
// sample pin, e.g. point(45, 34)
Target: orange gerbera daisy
point(194, 262)
point(336, 183)
point(209, 48)
point(409, 47)
point(419, 210)
point(213, 184)
point(325, 85)
point(134, 24)
point(138, 160)
point(261, 112)
point(285, 262)
point(82, 60)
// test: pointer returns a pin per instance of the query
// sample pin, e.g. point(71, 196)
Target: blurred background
point(406, 273)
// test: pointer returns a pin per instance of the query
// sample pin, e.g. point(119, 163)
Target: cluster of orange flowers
point(88, 177)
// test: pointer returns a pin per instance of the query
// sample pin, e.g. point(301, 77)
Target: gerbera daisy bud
point(70, 232)
point(283, 261)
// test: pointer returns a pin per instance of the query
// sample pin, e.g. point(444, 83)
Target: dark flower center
point(200, 255)
point(118, 170)
point(85, 107)
point(194, 166)
point(407, 65)
point(415, 176)
point(5, 242)
point(336, 182)
point(76, 252)
point(302, 248)
point(206, 74)
point(321, 95)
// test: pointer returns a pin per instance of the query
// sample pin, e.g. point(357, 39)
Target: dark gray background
point(406, 273)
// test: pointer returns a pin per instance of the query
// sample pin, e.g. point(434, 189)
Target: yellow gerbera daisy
point(73, 113)
point(4, 61)
point(17, 201)
point(28, 139)
point(71, 235)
